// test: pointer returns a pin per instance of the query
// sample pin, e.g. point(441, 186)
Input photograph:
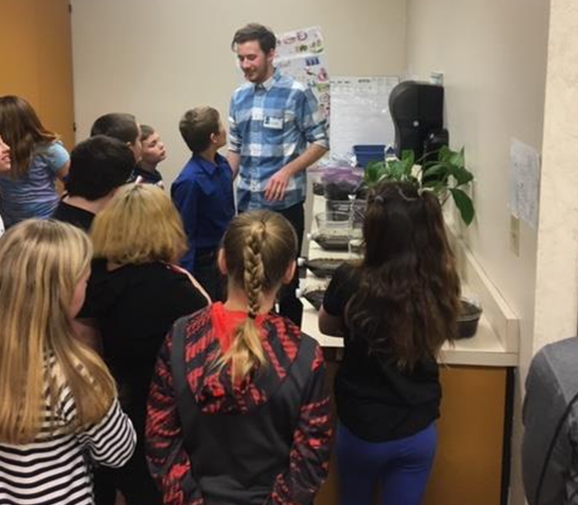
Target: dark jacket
point(265, 440)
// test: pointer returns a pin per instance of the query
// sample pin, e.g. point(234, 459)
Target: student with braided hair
point(238, 410)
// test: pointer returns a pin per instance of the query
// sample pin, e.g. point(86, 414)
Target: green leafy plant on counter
point(446, 176)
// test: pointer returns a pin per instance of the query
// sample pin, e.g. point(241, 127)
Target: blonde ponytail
point(259, 247)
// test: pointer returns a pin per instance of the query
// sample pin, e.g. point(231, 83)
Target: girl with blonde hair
point(238, 410)
point(59, 412)
point(135, 293)
point(38, 159)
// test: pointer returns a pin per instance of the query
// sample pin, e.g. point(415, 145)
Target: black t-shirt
point(135, 306)
point(146, 177)
point(78, 217)
point(376, 400)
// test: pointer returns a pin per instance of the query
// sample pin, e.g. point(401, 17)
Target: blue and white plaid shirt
point(270, 124)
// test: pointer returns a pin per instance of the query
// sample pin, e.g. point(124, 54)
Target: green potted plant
point(446, 176)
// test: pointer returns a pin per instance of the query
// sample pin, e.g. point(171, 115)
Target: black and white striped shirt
point(57, 467)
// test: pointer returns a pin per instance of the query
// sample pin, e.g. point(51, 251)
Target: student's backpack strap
point(186, 405)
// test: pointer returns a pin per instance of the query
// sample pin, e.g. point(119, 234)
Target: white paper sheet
point(524, 182)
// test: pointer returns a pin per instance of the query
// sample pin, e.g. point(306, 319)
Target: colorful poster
point(300, 54)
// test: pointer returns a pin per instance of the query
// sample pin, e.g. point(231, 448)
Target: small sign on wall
point(524, 182)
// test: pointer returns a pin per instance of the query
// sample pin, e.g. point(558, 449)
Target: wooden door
point(36, 60)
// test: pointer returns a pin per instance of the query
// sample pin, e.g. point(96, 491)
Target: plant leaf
point(435, 169)
point(373, 172)
point(408, 161)
point(464, 204)
point(455, 158)
point(461, 175)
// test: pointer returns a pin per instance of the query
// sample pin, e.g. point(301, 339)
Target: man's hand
point(277, 185)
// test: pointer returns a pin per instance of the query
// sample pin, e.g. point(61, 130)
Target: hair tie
point(379, 199)
point(407, 198)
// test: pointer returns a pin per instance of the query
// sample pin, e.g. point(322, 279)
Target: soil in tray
point(318, 189)
point(323, 267)
point(332, 242)
point(315, 298)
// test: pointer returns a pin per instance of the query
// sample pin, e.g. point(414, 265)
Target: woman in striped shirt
point(59, 413)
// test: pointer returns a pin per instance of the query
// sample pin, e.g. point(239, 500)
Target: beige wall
point(494, 56)
point(157, 58)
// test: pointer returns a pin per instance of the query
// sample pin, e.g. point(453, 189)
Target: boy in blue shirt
point(203, 194)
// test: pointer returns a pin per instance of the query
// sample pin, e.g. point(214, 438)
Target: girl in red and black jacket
point(239, 410)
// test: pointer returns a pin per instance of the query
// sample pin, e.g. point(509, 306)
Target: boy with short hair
point(121, 126)
point(203, 194)
point(98, 166)
point(153, 152)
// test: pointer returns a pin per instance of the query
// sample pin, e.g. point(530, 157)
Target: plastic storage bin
point(366, 153)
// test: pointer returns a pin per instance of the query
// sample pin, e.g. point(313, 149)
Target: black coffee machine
point(417, 112)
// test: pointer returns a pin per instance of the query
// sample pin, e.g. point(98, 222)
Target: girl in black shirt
point(134, 295)
point(395, 309)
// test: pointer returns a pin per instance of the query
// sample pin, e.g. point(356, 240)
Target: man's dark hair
point(98, 165)
point(197, 126)
point(255, 31)
point(120, 126)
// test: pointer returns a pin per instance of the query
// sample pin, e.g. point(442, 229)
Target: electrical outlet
point(515, 235)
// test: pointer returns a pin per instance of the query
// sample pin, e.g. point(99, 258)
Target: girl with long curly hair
point(395, 309)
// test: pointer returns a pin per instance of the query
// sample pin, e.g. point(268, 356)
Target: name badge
point(276, 123)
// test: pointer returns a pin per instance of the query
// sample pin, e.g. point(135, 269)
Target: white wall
point(493, 54)
point(157, 58)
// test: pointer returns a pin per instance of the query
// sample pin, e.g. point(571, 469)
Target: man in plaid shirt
point(276, 131)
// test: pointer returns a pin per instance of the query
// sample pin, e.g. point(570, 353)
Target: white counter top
point(484, 349)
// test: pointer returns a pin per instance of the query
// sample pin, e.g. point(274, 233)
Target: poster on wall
point(300, 54)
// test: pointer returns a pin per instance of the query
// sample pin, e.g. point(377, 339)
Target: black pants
point(206, 272)
point(289, 305)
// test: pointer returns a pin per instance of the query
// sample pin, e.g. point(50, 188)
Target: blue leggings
point(402, 467)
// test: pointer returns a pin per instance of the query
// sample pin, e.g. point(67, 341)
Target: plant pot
point(469, 317)
point(323, 267)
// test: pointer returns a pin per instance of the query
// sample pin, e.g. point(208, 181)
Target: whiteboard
point(360, 113)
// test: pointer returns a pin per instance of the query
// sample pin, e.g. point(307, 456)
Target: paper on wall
point(524, 182)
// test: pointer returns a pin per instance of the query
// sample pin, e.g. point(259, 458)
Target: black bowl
point(468, 319)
